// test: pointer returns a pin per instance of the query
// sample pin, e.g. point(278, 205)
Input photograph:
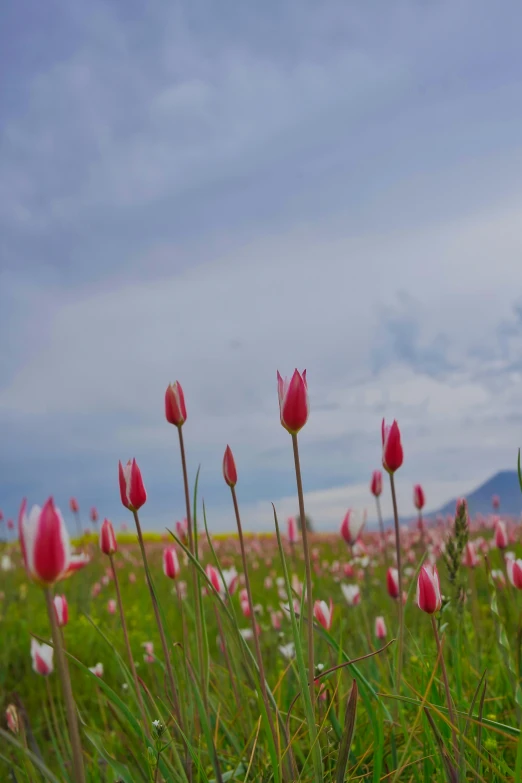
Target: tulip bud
point(429, 598)
point(171, 567)
point(175, 410)
point(514, 571)
point(73, 505)
point(182, 531)
point(323, 613)
point(94, 514)
point(418, 497)
point(42, 657)
point(132, 491)
point(45, 545)
point(495, 502)
point(392, 582)
point(470, 556)
point(501, 539)
point(392, 456)
point(111, 606)
point(291, 527)
point(61, 610)
point(12, 718)
point(229, 468)
point(351, 526)
point(213, 577)
point(352, 594)
point(97, 670)
point(376, 483)
point(380, 628)
point(108, 543)
point(293, 401)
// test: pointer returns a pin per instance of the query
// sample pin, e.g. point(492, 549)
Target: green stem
point(400, 651)
point(446, 685)
point(65, 680)
point(168, 665)
point(381, 528)
point(306, 553)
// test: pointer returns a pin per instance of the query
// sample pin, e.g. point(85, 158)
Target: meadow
point(169, 660)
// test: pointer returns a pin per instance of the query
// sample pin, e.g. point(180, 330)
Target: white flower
point(97, 670)
point(246, 633)
point(287, 650)
point(6, 564)
point(156, 724)
point(42, 656)
point(352, 594)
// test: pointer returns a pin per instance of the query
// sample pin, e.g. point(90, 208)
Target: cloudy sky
point(209, 192)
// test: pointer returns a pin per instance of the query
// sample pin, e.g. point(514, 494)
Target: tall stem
point(128, 648)
point(253, 618)
point(65, 680)
point(168, 665)
point(195, 580)
point(381, 528)
point(446, 683)
point(227, 658)
point(399, 570)
point(306, 553)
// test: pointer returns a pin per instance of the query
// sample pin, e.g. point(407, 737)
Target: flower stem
point(168, 665)
point(65, 680)
point(400, 652)
point(381, 528)
point(446, 684)
point(195, 579)
point(253, 618)
point(128, 648)
point(306, 553)
point(226, 656)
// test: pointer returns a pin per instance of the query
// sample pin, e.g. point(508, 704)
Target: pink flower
point(392, 582)
point(94, 514)
point(132, 577)
point(175, 410)
point(171, 566)
point(73, 505)
point(108, 543)
point(352, 594)
point(501, 539)
point(243, 601)
point(380, 628)
point(214, 578)
point(229, 468)
point(419, 501)
point(61, 610)
point(351, 526)
point(182, 531)
point(514, 572)
point(291, 528)
point(275, 619)
point(293, 401)
point(10, 524)
point(495, 502)
point(45, 544)
point(323, 613)
point(392, 456)
point(97, 670)
point(429, 598)
point(42, 656)
point(376, 483)
point(132, 491)
point(470, 558)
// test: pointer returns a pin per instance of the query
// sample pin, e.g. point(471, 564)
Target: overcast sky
point(210, 192)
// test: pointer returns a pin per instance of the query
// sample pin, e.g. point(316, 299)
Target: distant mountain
point(503, 484)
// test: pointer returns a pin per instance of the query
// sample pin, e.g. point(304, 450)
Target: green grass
point(405, 738)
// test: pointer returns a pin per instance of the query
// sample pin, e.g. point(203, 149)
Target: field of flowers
point(388, 655)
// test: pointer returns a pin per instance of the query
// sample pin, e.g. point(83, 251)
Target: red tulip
point(171, 566)
point(293, 401)
point(42, 655)
point(108, 543)
point(45, 544)
point(351, 526)
point(229, 468)
point(501, 539)
point(291, 527)
point(61, 610)
point(419, 500)
point(73, 505)
point(495, 502)
point(182, 530)
point(132, 491)
point(514, 572)
point(10, 524)
point(392, 582)
point(214, 578)
point(471, 558)
point(380, 628)
point(429, 598)
point(175, 410)
point(376, 483)
point(392, 456)
point(323, 613)
point(94, 514)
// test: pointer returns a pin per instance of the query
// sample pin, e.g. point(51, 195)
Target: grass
point(361, 732)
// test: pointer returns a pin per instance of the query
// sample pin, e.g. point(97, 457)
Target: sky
point(211, 192)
